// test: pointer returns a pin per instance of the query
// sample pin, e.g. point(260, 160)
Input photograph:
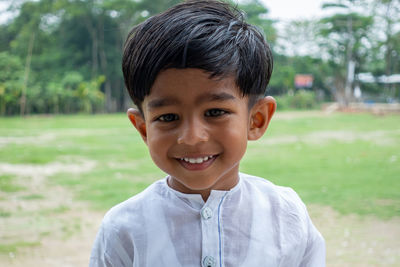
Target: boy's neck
point(205, 193)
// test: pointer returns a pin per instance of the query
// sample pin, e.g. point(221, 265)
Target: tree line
point(64, 56)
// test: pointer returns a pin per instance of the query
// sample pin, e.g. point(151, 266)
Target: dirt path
point(356, 241)
point(51, 228)
point(57, 249)
point(42, 224)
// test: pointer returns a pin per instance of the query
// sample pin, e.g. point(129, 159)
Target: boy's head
point(197, 73)
point(208, 35)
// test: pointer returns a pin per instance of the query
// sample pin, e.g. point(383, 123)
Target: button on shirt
point(256, 223)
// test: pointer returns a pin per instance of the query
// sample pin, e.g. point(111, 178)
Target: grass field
point(349, 162)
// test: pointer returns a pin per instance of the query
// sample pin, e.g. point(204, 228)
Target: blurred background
point(60, 56)
point(68, 153)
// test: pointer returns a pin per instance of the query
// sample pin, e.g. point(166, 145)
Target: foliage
point(299, 100)
point(285, 70)
point(10, 83)
point(387, 22)
point(299, 38)
point(85, 37)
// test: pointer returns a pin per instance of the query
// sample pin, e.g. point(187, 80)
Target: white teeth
point(196, 160)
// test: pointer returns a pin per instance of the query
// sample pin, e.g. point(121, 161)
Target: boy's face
point(197, 128)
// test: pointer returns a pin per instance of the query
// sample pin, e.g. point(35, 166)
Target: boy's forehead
point(187, 83)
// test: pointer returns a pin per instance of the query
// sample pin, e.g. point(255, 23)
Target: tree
point(299, 38)
point(54, 38)
point(346, 42)
point(386, 58)
point(10, 83)
point(386, 14)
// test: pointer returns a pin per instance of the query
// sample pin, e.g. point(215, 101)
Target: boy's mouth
point(198, 160)
point(197, 163)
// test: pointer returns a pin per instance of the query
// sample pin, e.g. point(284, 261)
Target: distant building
point(302, 81)
point(369, 78)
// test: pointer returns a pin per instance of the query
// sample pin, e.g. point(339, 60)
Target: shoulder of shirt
point(283, 196)
point(125, 211)
point(285, 204)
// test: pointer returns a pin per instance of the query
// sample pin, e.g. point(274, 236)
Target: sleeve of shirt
point(299, 223)
point(108, 250)
point(314, 255)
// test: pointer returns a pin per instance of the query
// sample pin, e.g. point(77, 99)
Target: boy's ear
point(137, 119)
point(260, 116)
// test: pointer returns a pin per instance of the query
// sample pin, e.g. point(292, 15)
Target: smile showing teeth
point(197, 160)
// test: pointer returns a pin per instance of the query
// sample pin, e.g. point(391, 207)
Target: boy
point(197, 74)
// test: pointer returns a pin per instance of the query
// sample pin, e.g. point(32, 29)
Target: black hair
point(205, 34)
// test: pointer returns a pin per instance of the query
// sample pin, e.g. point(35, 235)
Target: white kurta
point(254, 224)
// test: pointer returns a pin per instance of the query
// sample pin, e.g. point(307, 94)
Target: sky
point(286, 10)
point(3, 16)
point(283, 10)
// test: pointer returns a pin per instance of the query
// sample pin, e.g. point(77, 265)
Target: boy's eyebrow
point(219, 97)
point(170, 101)
point(162, 102)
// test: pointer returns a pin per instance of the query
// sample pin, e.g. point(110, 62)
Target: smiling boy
point(198, 74)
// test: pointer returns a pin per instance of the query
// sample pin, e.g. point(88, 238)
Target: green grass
point(13, 247)
point(7, 184)
point(59, 209)
point(360, 175)
point(4, 214)
point(32, 197)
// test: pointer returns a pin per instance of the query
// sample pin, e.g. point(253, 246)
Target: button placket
point(209, 222)
point(210, 225)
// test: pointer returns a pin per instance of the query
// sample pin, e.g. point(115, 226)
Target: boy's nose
point(192, 132)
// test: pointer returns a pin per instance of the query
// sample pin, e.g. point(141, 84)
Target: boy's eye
point(168, 117)
point(215, 112)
